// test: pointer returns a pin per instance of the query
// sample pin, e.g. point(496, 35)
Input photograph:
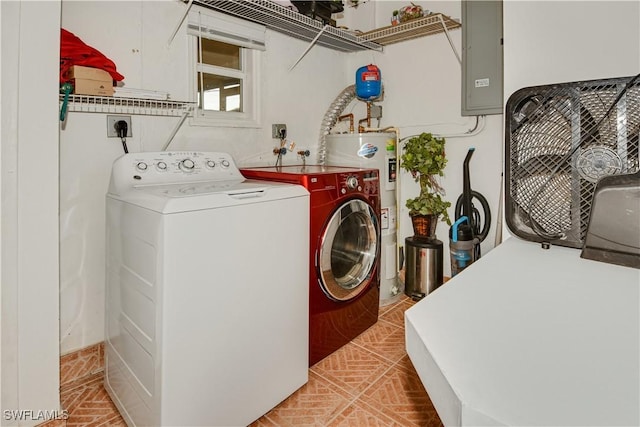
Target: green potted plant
point(424, 157)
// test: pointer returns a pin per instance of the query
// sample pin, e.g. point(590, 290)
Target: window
point(220, 76)
point(226, 54)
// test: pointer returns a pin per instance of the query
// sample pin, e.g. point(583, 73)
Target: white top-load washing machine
point(207, 297)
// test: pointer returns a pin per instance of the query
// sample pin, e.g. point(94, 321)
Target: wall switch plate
point(277, 129)
point(111, 126)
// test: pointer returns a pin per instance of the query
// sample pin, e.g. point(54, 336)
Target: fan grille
point(560, 139)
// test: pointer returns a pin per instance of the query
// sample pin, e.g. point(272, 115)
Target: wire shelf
point(294, 24)
point(431, 24)
point(119, 105)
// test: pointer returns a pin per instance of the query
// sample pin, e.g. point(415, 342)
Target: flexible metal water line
point(331, 118)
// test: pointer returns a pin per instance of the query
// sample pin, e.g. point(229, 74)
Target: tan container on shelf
point(87, 73)
point(90, 81)
point(92, 87)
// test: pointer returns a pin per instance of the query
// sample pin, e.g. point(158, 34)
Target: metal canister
point(424, 267)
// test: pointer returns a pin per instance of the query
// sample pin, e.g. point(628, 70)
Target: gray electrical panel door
point(482, 85)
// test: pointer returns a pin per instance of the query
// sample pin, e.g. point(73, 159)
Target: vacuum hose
point(464, 206)
point(331, 118)
point(480, 233)
point(466, 184)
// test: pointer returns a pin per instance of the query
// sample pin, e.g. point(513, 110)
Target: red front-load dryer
point(344, 253)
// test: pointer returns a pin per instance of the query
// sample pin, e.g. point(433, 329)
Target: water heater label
point(384, 218)
point(367, 151)
point(482, 82)
point(391, 173)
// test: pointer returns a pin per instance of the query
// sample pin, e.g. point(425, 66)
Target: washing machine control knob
point(352, 182)
point(161, 166)
point(141, 166)
point(187, 165)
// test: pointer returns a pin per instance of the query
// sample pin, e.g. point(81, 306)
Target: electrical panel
point(482, 65)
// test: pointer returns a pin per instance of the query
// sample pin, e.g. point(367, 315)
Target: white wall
point(564, 41)
point(29, 154)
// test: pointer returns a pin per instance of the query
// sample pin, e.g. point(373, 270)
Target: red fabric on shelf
point(74, 51)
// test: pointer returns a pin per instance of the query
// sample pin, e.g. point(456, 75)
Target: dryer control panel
point(171, 167)
point(366, 182)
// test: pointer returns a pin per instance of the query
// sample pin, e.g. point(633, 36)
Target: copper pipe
point(350, 117)
point(367, 119)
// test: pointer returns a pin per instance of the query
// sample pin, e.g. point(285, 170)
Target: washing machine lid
point(175, 198)
point(172, 182)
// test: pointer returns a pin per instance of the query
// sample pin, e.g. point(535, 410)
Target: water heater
point(377, 151)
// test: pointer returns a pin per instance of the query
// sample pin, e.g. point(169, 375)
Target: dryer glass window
point(348, 250)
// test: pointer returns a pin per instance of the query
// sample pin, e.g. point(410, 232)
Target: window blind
point(226, 29)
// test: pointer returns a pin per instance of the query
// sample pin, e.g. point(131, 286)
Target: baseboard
point(81, 367)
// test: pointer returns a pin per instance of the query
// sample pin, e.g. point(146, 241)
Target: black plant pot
point(424, 226)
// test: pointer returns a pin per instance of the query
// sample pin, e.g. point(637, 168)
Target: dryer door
point(348, 250)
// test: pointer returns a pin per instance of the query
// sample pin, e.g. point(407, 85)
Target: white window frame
point(236, 30)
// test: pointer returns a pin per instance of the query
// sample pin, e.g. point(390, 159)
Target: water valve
point(303, 154)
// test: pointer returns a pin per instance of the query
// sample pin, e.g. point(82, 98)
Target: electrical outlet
point(111, 126)
point(277, 129)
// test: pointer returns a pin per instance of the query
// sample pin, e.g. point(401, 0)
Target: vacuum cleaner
point(471, 225)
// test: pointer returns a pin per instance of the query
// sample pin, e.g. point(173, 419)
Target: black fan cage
point(560, 140)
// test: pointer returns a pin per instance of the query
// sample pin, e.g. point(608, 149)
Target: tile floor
point(369, 382)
